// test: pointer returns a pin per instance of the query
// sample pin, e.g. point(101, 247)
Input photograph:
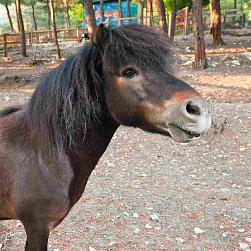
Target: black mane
point(68, 98)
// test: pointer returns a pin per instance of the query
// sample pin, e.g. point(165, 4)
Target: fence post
point(170, 23)
point(242, 17)
point(5, 45)
point(31, 37)
point(224, 18)
point(186, 21)
point(78, 37)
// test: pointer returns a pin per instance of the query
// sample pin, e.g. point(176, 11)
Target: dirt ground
point(148, 192)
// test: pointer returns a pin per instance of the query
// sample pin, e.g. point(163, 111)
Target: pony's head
point(141, 89)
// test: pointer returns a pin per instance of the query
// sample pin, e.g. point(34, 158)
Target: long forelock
point(140, 45)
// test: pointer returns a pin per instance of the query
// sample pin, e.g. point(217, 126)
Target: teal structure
point(111, 11)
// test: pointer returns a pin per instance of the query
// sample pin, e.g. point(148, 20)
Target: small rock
point(190, 62)
point(241, 230)
point(154, 217)
point(225, 234)
point(235, 62)
point(112, 243)
point(227, 58)
point(214, 64)
point(7, 98)
point(188, 49)
point(180, 240)
point(127, 214)
point(148, 226)
point(248, 239)
point(197, 230)
point(135, 215)
point(243, 245)
point(136, 230)
point(1, 244)
point(183, 58)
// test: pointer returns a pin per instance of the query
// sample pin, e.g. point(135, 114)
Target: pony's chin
point(178, 134)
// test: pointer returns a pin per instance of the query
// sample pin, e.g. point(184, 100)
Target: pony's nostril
point(193, 108)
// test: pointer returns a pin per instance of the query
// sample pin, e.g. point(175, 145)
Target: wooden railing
point(39, 37)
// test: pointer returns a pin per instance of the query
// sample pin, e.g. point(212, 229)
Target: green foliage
point(4, 28)
point(14, 77)
point(229, 4)
point(8, 2)
point(180, 4)
point(31, 63)
point(76, 15)
point(29, 2)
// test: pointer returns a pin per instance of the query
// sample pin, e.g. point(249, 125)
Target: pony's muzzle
point(198, 112)
point(188, 119)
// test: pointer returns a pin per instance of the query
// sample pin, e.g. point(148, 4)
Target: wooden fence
point(8, 40)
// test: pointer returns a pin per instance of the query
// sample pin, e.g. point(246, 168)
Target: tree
point(216, 22)
point(6, 3)
point(151, 12)
point(66, 13)
point(199, 44)
point(21, 25)
point(49, 14)
point(54, 28)
point(141, 11)
point(235, 6)
point(18, 25)
point(32, 4)
point(173, 15)
point(128, 10)
point(120, 12)
point(102, 15)
point(162, 15)
point(90, 17)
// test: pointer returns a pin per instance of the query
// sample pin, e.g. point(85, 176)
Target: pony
point(50, 146)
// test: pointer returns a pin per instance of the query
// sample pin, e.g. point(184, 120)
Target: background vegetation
point(75, 11)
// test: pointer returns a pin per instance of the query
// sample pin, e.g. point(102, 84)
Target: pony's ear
point(100, 36)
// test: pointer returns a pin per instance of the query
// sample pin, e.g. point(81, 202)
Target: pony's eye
point(129, 73)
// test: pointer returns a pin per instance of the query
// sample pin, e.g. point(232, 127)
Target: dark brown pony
point(49, 147)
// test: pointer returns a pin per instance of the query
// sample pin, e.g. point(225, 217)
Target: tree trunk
point(33, 16)
point(216, 22)
point(141, 2)
point(151, 12)
point(128, 11)
point(9, 17)
point(21, 24)
point(120, 13)
point(162, 15)
point(18, 25)
point(90, 17)
point(235, 7)
point(102, 15)
point(49, 14)
point(173, 19)
point(65, 18)
point(54, 28)
point(199, 44)
point(67, 14)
